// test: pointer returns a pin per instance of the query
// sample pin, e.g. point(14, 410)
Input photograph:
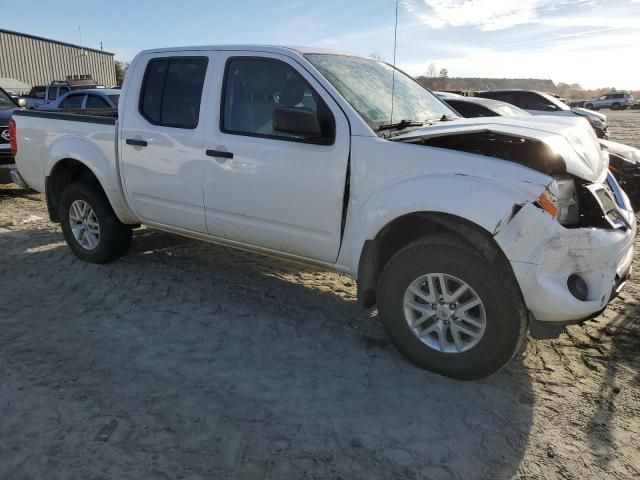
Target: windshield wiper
point(400, 125)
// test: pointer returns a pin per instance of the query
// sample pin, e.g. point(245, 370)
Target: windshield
point(114, 99)
point(507, 110)
point(6, 101)
point(367, 85)
point(558, 103)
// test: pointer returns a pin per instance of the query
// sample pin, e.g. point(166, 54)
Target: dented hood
point(571, 137)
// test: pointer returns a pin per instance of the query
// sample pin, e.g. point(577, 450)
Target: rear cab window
point(171, 91)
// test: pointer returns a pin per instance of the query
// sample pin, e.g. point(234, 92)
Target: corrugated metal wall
point(39, 61)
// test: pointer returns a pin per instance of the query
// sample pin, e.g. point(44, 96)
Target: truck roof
point(248, 48)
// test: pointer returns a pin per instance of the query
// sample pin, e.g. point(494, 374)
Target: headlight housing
point(560, 200)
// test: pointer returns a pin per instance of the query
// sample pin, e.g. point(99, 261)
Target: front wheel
point(90, 227)
point(450, 311)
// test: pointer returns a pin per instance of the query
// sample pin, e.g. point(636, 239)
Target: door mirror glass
point(297, 121)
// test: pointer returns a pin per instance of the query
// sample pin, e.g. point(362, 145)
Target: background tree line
point(439, 80)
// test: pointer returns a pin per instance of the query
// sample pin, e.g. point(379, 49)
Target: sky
point(595, 43)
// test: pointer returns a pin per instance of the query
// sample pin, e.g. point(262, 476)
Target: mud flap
point(544, 330)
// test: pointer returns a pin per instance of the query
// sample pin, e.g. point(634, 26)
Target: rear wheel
point(589, 106)
point(90, 227)
point(448, 310)
point(615, 106)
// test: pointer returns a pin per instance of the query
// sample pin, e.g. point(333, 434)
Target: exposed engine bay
point(531, 153)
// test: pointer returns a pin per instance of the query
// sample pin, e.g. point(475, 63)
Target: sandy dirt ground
point(186, 360)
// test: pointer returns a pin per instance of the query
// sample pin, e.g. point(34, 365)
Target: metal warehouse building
point(39, 61)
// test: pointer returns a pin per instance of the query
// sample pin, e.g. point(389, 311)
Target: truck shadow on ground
point(192, 359)
point(624, 331)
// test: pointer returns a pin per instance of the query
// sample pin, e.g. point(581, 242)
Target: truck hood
point(572, 138)
point(589, 113)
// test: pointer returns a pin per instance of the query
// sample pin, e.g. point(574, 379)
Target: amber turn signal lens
point(547, 204)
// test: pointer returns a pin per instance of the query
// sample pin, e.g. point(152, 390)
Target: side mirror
point(21, 102)
point(297, 122)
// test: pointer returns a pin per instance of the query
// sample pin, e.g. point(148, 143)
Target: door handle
point(137, 143)
point(219, 153)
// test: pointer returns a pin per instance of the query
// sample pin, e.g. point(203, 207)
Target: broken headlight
point(560, 200)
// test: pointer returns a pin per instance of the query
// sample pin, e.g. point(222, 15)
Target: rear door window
point(172, 91)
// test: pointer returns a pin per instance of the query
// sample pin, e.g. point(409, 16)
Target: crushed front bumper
point(544, 255)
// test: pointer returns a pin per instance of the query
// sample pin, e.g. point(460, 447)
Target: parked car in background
point(465, 233)
point(540, 103)
point(624, 160)
point(7, 106)
point(473, 107)
point(85, 100)
point(614, 101)
point(448, 94)
point(562, 99)
point(624, 163)
point(46, 94)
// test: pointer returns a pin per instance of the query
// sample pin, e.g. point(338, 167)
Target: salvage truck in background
point(7, 107)
point(464, 232)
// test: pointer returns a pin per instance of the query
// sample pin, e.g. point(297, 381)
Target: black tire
point(615, 106)
point(115, 237)
point(506, 315)
point(589, 106)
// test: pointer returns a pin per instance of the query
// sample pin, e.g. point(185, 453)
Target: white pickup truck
point(464, 232)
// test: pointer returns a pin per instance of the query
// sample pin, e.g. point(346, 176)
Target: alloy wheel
point(445, 313)
point(84, 224)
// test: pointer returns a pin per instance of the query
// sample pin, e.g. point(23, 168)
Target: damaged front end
point(569, 272)
point(571, 248)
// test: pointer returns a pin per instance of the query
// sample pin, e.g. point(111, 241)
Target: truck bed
point(84, 135)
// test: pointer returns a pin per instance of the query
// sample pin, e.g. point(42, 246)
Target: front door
point(162, 140)
point(268, 188)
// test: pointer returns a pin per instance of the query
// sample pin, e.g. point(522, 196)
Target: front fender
point(483, 201)
point(98, 155)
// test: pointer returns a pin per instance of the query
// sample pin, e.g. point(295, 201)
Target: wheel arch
point(410, 227)
point(68, 170)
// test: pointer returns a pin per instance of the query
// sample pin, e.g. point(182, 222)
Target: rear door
point(162, 139)
point(263, 187)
